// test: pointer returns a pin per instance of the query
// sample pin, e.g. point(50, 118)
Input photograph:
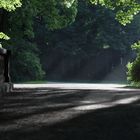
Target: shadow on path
point(56, 114)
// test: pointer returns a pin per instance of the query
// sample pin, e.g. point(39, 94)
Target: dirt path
point(70, 114)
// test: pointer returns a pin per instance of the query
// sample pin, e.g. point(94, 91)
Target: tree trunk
point(3, 20)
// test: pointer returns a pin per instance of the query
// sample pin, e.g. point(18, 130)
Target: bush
point(133, 74)
point(25, 62)
point(26, 67)
point(134, 71)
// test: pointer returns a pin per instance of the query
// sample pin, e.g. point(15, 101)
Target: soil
point(70, 114)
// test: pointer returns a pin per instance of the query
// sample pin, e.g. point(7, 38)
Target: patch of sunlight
point(87, 102)
point(108, 104)
point(127, 100)
point(92, 107)
point(69, 3)
point(72, 86)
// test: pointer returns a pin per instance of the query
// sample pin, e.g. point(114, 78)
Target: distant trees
point(93, 25)
point(94, 32)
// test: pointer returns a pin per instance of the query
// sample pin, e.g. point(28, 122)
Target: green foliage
point(58, 14)
point(125, 9)
point(10, 5)
point(25, 62)
point(25, 55)
point(29, 67)
point(136, 47)
point(94, 31)
point(4, 36)
point(129, 68)
point(134, 70)
point(92, 28)
point(21, 21)
point(134, 67)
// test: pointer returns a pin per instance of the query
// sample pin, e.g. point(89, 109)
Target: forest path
point(70, 112)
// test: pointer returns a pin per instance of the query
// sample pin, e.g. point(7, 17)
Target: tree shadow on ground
point(32, 115)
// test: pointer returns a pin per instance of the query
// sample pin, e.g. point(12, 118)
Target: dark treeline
point(88, 49)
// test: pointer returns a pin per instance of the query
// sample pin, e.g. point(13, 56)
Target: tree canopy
point(60, 12)
point(37, 24)
point(125, 9)
point(10, 5)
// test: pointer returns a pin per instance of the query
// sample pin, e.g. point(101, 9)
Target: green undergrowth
point(134, 85)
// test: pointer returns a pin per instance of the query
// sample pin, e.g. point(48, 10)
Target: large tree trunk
point(3, 20)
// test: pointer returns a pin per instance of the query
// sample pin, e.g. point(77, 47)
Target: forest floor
point(66, 112)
